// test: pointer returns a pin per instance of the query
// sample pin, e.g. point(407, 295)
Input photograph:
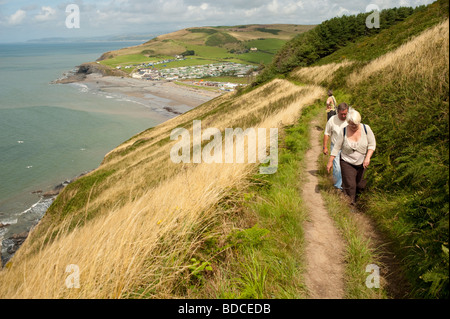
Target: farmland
point(250, 45)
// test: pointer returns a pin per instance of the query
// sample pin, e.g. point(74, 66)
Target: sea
point(52, 133)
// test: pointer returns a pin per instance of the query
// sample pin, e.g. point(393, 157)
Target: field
point(209, 44)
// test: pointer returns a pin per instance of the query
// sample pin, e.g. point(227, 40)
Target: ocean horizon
point(51, 133)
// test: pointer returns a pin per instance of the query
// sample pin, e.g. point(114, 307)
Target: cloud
point(46, 14)
point(106, 17)
point(150, 14)
point(17, 18)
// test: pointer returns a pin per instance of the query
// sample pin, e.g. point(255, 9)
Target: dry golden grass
point(319, 74)
point(146, 228)
point(139, 245)
point(419, 58)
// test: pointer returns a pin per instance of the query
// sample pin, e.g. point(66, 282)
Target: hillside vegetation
point(141, 226)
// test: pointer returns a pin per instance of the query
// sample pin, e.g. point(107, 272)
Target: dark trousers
point(353, 181)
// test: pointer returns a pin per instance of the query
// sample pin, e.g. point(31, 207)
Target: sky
point(23, 20)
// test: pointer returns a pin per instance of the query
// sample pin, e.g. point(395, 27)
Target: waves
point(11, 232)
point(82, 88)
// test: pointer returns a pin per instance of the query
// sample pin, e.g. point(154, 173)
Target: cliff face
point(90, 68)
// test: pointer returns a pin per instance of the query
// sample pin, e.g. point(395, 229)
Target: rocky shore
point(82, 71)
point(10, 244)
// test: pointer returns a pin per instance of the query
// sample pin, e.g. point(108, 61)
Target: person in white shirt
point(334, 126)
point(357, 144)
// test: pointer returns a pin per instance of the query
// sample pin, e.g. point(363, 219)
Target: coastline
point(165, 99)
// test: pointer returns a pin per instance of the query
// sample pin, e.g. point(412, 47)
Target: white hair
point(353, 116)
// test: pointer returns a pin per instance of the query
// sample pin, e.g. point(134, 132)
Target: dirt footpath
point(325, 248)
point(324, 251)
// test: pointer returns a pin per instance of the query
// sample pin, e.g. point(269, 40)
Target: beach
point(165, 98)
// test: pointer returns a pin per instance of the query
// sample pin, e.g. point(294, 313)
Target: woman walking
point(357, 144)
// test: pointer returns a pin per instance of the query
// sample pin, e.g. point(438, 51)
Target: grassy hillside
point(210, 45)
point(134, 225)
point(400, 86)
point(141, 226)
point(347, 37)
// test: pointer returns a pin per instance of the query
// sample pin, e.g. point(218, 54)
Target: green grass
point(209, 51)
point(206, 88)
point(256, 57)
point(231, 79)
point(278, 208)
point(130, 59)
point(266, 45)
point(263, 256)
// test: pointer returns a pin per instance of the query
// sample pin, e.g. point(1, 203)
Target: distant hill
point(110, 38)
point(248, 44)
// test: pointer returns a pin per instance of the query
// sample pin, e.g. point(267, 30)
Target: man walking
point(335, 125)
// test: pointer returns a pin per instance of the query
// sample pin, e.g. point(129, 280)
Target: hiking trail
point(325, 248)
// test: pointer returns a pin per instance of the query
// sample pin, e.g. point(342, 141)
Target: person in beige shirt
point(357, 144)
point(331, 105)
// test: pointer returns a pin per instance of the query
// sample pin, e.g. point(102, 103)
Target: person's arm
point(330, 163)
point(367, 158)
point(336, 149)
point(326, 137)
point(371, 146)
point(325, 144)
